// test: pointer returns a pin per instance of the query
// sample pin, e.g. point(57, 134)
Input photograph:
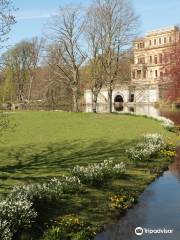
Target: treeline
point(80, 49)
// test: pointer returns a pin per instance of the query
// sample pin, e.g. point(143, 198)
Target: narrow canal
point(158, 207)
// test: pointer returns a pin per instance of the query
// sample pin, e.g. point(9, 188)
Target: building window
point(165, 40)
point(160, 58)
point(141, 60)
point(156, 73)
point(150, 59)
point(160, 41)
point(131, 97)
point(141, 45)
point(170, 39)
point(138, 74)
point(154, 41)
point(150, 42)
point(144, 74)
point(155, 60)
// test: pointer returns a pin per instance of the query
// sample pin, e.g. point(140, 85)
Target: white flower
point(5, 233)
point(152, 143)
point(18, 213)
point(96, 173)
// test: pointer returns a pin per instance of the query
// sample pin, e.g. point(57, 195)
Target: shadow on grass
point(53, 159)
point(35, 163)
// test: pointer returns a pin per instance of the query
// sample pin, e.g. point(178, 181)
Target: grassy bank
point(48, 144)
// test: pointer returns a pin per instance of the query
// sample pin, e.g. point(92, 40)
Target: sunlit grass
point(48, 144)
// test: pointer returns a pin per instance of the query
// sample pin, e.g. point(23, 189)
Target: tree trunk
point(94, 103)
point(30, 88)
point(75, 101)
point(109, 102)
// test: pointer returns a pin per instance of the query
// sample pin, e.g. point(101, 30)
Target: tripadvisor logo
point(140, 231)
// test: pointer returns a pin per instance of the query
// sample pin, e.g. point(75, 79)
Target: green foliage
point(69, 227)
point(55, 233)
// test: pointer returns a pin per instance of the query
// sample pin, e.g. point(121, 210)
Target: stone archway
point(118, 103)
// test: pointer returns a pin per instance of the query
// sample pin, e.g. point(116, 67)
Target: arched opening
point(118, 103)
point(118, 99)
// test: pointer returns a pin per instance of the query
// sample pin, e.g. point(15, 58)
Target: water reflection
point(119, 107)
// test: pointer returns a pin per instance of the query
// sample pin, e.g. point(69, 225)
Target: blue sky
point(33, 15)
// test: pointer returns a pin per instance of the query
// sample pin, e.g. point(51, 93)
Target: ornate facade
point(146, 71)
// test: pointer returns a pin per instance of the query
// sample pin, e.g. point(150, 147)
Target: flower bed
point(54, 189)
point(17, 210)
point(15, 215)
point(150, 145)
point(95, 174)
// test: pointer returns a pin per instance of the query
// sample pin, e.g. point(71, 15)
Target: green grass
point(46, 127)
point(48, 144)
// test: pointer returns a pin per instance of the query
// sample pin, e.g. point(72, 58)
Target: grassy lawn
point(47, 144)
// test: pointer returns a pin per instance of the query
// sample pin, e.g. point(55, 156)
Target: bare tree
point(57, 90)
point(66, 30)
point(96, 73)
point(33, 49)
point(116, 24)
point(7, 19)
point(21, 62)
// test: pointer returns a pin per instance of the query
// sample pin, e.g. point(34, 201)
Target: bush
point(95, 174)
point(19, 214)
point(54, 189)
point(150, 145)
point(5, 233)
point(68, 184)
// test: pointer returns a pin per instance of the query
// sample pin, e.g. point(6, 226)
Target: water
point(158, 206)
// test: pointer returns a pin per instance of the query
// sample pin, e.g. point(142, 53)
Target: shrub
point(19, 214)
point(68, 184)
point(54, 189)
point(150, 145)
point(95, 174)
point(154, 139)
point(33, 192)
point(16, 209)
point(119, 169)
point(5, 233)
